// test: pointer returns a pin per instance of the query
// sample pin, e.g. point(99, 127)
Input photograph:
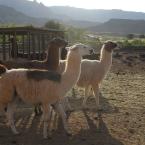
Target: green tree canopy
point(53, 25)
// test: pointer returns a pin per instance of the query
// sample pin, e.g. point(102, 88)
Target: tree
point(75, 35)
point(54, 25)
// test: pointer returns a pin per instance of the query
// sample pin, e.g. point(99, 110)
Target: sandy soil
point(122, 121)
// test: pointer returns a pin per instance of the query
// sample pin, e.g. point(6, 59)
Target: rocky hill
point(10, 15)
point(122, 26)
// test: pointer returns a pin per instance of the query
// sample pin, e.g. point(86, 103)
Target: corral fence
point(26, 42)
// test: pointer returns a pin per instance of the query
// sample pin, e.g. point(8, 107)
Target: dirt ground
point(122, 121)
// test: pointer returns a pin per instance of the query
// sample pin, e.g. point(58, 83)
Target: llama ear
point(70, 48)
point(67, 48)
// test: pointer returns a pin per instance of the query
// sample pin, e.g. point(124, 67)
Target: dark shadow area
point(96, 134)
point(76, 103)
point(31, 127)
point(106, 106)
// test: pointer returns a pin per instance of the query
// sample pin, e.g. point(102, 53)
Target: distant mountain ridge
point(30, 8)
point(32, 12)
point(35, 9)
point(122, 26)
point(80, 24)
point(10, 15)
point(98, 15)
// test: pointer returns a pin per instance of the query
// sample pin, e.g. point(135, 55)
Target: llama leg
point(40, 109)
point(46, 116)
point(63, 103)
point(37, 110)
point(85, 97)
point(10, 116)
point(96, 93)
point(62, 113)
point(66, 104)
point(91, 91)
point(73, 92)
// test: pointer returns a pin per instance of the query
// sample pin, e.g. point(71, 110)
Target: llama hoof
point(68, 115)
point(17, 133)
point(70, 110)
point(100, 109)
point(98, 116)
point(38, 114)
point(85, 108)
point(98, 130)
point(49, 137)
point(14, 142)
point(68, 134)
point(45, 137)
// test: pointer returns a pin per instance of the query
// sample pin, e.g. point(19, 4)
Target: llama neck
point(52, 58)
point(106, 58)
point(72, 70)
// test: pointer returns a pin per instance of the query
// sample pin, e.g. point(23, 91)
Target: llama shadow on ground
point(31, 131)
point(106, 107)
point(27, 125)
point(96, 134)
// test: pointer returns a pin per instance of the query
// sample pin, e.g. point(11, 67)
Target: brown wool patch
point(39, 75)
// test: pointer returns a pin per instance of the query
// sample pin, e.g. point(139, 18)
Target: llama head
point(110, 46)
point(57, 43)
point(82, 49)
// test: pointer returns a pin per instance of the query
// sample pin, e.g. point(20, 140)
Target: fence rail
point(26, 42)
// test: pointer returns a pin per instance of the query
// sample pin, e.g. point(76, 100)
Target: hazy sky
point(131, 5)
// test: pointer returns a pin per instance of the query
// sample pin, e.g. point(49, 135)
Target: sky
point(130, 5)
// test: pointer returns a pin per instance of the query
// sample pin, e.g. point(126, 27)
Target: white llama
point(93, 71)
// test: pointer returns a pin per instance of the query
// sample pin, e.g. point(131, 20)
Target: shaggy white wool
point(94, 71)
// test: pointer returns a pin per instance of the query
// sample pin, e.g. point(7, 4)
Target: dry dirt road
point(122, 121)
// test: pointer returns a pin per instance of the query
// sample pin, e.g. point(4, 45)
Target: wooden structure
point(26, 42)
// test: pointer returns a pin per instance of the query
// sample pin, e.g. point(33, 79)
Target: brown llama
point(50, 63)
point(35, 86)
